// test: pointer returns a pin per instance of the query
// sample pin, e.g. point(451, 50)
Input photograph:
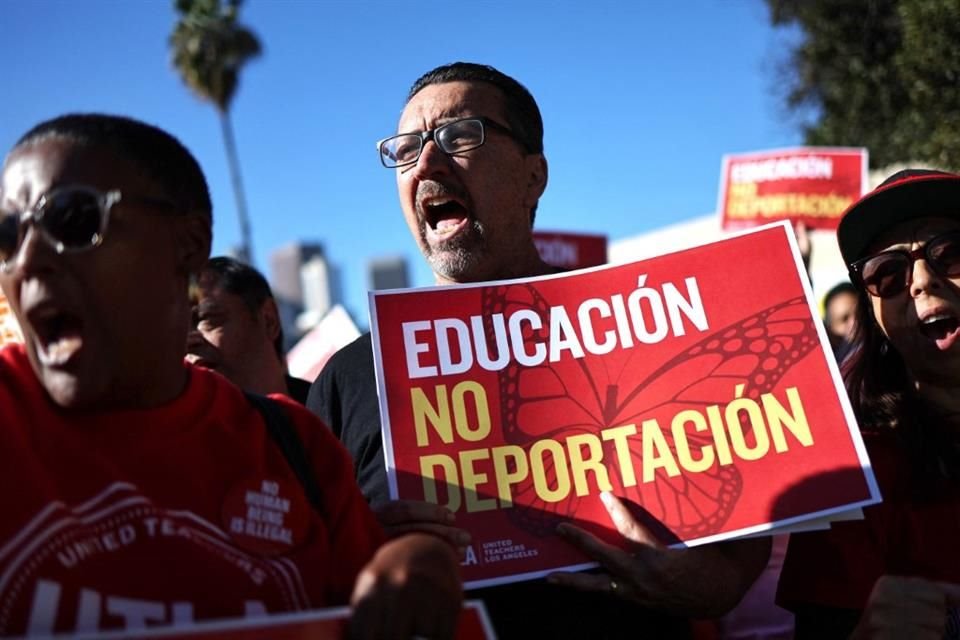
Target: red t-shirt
point(183, 512)
point(909, 534)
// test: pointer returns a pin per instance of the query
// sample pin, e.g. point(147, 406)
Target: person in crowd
point(894, 574)
point(142, 490)
point(236, 330)
point(470, 170)
point(839, 316)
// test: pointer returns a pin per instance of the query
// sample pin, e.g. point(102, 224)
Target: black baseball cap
point(907, 194)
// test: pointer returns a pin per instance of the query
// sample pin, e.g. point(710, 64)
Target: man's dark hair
point(836, 290)
point(247, 283)
point(522, 112)
point(160, 156)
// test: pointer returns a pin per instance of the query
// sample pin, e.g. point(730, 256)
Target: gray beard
point(457, 257)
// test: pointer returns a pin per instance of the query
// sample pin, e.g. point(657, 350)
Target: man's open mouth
point(444, 216)
point(200, 361)
point(58, 334)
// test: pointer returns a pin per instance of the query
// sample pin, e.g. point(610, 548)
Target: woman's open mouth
point(942, 328)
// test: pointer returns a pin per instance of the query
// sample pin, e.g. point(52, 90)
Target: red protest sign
point(813, 185)
point(695, 385)
point(571, 250)
point(320, 624)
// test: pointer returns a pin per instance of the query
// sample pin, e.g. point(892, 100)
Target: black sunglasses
point(69, 219)
point(886, 274)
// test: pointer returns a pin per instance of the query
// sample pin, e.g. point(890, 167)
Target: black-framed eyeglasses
point(69, 219)
point(888, 273)
point(454, 137)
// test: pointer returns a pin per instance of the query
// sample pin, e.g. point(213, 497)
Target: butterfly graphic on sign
point(556, 400)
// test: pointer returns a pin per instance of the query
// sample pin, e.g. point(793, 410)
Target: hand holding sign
point(411, 587)
point(901, 607)
point(670, 580)
point(406, 516)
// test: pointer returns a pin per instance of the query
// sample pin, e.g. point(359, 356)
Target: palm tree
point(209, 48)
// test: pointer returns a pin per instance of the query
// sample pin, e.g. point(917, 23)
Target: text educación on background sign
point(809, 184)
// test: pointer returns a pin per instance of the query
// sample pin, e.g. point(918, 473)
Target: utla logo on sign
point(813, 185)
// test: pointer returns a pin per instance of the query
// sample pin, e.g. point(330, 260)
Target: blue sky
point(640, 100)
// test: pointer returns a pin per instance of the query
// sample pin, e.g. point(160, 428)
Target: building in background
point(387, 273)
point(306, 286)
point(320, 280)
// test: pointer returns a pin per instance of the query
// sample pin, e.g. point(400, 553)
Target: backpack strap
point(284, 435)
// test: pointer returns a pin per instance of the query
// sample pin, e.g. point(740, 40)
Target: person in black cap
point(896, 572)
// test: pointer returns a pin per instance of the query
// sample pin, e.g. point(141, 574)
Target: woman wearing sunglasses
point(896, 573)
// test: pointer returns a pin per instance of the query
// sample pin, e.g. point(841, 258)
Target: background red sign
point(571, 250)
point(321, 624)
point(809, 184)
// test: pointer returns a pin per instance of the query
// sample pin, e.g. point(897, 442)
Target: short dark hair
point(159, 155)
point(522, 112)
point(247, 283)
point(836, 290)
